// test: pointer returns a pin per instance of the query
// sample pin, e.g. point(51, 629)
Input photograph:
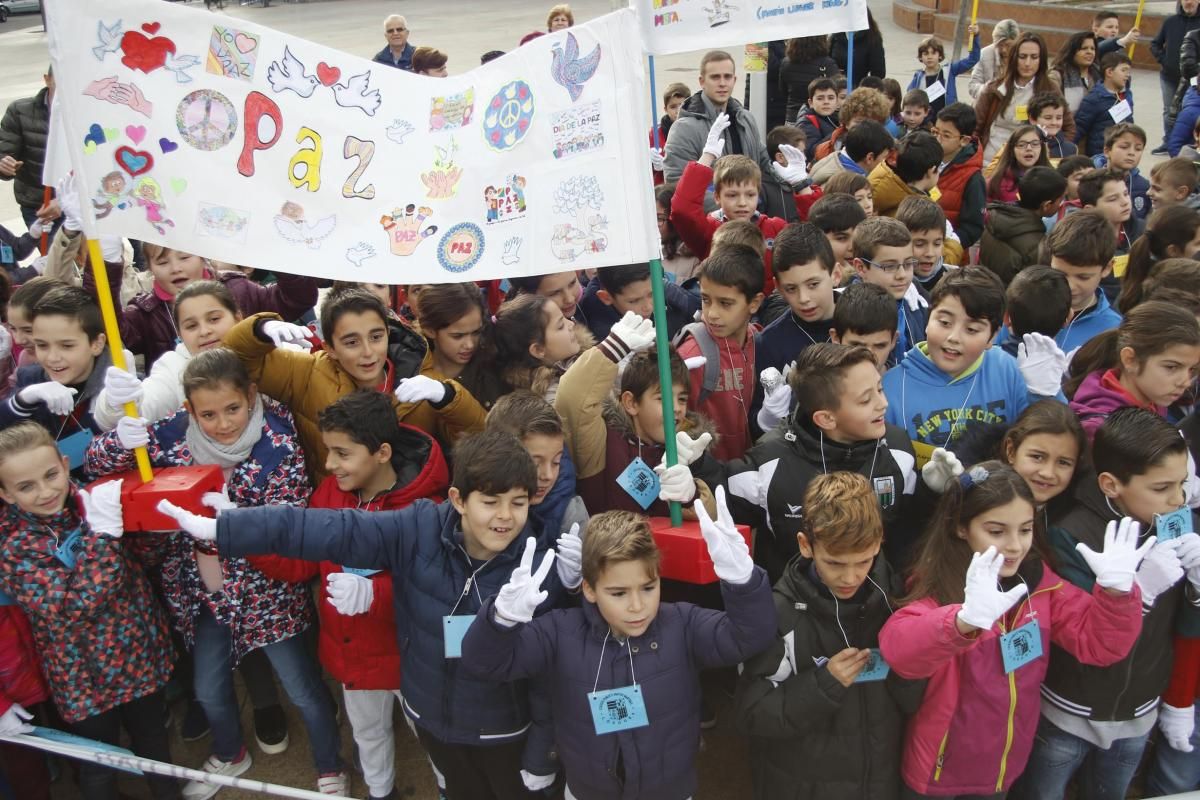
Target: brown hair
point(675, 90)
point(1149, 329)
point(1171, 226)
point(1177, 172)
point(741, 232)
point(425, 59)
point(522, 414)
point(1082, 239)
point(28, 294)
point(1179, 274)
point(1049, 417)
point(1008, 158)
point(213, 369)
point(875, 232)
point(520, 322)
point(641, 373)
point(205, 288)
point(816, 380)
point(866, 103)
point(715, 57)
point(846, 182)
point(23, 437)
point(563, 9)
point(1041, 82)
point(931, 43)
point(614, 537)
point(735, 169)
point(841, 513)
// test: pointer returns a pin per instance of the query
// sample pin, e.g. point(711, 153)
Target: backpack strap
point(708, 349)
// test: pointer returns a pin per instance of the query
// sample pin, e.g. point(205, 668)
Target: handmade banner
point(677, 26)
point(240, 143)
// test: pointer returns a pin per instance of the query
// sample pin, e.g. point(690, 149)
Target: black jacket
point(810, 736)
point(816, 129)
point(868, 55)
point(794, 79)
point(23, 133)
point(1167, 43)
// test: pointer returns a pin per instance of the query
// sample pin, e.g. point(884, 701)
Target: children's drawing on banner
point(359, 253)
point(720, 12)
point(111, 90)
point(112, 196)
point(506, 202)
point(461, 247)
point(222, 222)
point(148, 196)
point(289, 74)
point(441, 182)
point(399, 129)
point(451, 111)
point(206, 119)
point(577, 130)
point(232, 53)
point(146, 53)
point(108, 38)
point(354, 94)
point(509, 115)
point(292, 226)
point(582, 198)
point(403, 228)
point(180, 65)
point(512, 251)
point(569, 70)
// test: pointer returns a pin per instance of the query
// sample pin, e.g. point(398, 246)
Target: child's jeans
point(1058, 755)
point(145, 719)
point(475, 772)
point(370, 713)
point(1173, 772)
point(213, 658)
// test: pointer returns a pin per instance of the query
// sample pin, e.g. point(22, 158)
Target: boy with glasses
point(884, 256)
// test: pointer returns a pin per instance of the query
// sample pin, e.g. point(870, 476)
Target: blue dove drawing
point(571, 71)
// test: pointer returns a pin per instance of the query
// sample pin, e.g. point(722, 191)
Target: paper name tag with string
point(1021, 646)
point(619, 709)
point(67, 551)
point(1022, 114)
point(1173, 525)
point(454, 630)
point(876, 669)
point(639, 482)
point(6, 254)
point(935, 90)
point(1121, 111)
point(361, 572)
point(74, 447)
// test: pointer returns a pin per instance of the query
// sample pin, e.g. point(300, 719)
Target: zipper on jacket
point(1012, 712)
point(941, 757)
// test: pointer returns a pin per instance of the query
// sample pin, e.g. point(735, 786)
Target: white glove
point(1176, 724)
point(68, 201)
point(121, 387)
point(675, 484)
point(1187, 547)
point(14, 721)
point(943, 467)
point(35, 230)
point(633, 333)
point(695, 362)
point(280, 332)
point(984, 603)
point(350, 594)
point(536, 783)
point(199, 527)
point(523, 593)
point(102, 509)
point(133, 432)
point(1116, 566)
point(419, 388)
point(726, 547)
point(570, 558)
point(796, 170)
point(1042, 364)
point(59, 399)
point(656, 164)
point(218, 501)
point(1160, 570)
point(715, 145)
point(689, 449)
point(776, 404)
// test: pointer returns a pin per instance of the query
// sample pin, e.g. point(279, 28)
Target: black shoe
point(270, 729)
point(195, 724)
point(1161, 150)
point(708, 715)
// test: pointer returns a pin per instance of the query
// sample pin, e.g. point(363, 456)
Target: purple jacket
point(565, 648)
point(148, 329)
point(1100, 394)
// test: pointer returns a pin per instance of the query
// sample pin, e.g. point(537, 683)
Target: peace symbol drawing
point(508, 116)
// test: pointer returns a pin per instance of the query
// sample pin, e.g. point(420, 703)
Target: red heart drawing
point(151, 27)
point(143, 53)
point(328, 75)
point(135, 162)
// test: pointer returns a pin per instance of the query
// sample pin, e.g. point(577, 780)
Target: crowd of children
point(951, 393)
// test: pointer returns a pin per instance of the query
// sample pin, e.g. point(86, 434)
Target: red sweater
point(21, 678)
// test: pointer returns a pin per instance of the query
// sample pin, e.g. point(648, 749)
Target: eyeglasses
point(396, 30)
point(908, 264)
point(1029, 145)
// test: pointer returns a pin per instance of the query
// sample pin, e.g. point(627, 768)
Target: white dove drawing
point(179, 65)
point(110, 39)
point(300, 231)
point(291, 75)
point(359, 253)
point(353, 94)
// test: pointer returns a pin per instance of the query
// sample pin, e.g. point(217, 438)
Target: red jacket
point(21, 678)
point(728, 404)
point(361, 652)
point(952, 183)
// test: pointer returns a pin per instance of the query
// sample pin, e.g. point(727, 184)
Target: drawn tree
point(576, 194)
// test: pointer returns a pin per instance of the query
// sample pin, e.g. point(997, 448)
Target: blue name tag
point(75, 446)
point(639, 482)
point(1021, 646)
point(361, 572)
point(454, 630)
point(620, 709)
point(1173, 525)
point(876, 669)
point(52, 735)
point(68, 549)
point(6, 254)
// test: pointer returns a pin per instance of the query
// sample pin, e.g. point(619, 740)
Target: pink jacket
point(952, 746)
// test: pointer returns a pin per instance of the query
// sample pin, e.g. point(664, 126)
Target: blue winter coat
point(565, 649)
point(1185, 123)
point(1092, 118)
point(1096, 320)
point(600, 317)
point(422, 547)
point(919, 80)
point(1139, 194)
point(548, 514)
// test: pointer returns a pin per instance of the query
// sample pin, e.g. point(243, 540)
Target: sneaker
point(195, 790)
point(195, 724)
point(1161, 150)
point(270, 729)
point(334, 784)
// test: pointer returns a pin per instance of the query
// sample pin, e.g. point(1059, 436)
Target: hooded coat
point(1166, 44)
point(23, 134)
point(1011, 238)
point(1100, 394)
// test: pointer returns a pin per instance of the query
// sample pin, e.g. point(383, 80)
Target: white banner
point(240, 143)
point(677, 26)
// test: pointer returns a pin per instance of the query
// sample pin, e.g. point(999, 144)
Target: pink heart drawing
point(136, 133)
point(244, 43)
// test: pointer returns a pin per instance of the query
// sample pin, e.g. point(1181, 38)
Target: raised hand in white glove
point(537, 783)
point(218, 501)
point(629, 334)
point(715, 144)
point(570, 558)
point(280, 332)
point(68, 201)
point(1177, 726)
point(1116, 566)
point(1160, 570)
point(102, 509)
point(419, 388)
point(1187, 547)
point(133, 432)
point(656, 164)
point(350, 594)
point(688, 449)
point(726, 547)
point(58, 398)
point(675, 484)
point(943, 467)
point(796, 170)
point(776, 405)
point(15, 721)
point(984, 602)
point(199, 527)
point(523, 593)
point(695, 362)
point(121, 387)
point(1042, 364)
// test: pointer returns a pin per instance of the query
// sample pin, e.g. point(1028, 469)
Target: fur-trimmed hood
point(542, 380)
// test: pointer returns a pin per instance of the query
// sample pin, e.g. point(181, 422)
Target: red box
point(684, 555)
point(183, 486)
